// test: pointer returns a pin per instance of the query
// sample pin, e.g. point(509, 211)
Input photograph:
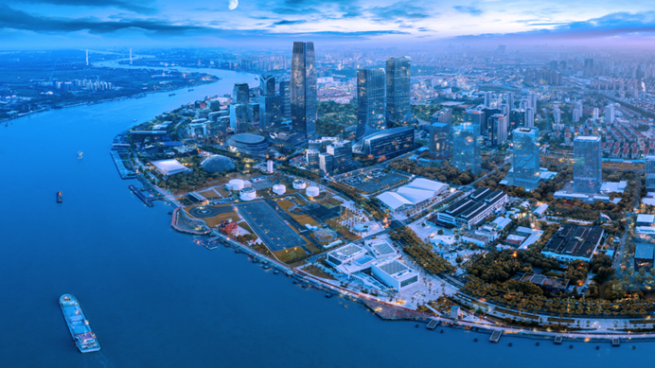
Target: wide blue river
point(156, 299)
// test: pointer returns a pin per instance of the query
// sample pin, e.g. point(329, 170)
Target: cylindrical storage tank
point(236, 184)
point(312, 191)
point(299, 184)
point(279, 189)
point(248, 194)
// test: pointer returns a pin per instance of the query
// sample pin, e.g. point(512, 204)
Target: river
point(156, 299)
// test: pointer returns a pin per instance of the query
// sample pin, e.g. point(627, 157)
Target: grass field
point(302, 218)
point(291, 255)
point(318, 272)
point(210, 194)
point(246, 227)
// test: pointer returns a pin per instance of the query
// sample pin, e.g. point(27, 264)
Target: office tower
point(524, 104)
point(650, 171)
point(241, 93)
point(516, 119)
point(441, 141)
point(239, 118)
point(303, 89)
point(398, 85)
point(342, 151)
point(533, 101)
point(312, 159)
point(270, 114)
point(466, 147)
point(557, 114)
point(525, 159)
point(476, 117)
point(509, 99)
point(595, 114)
point(487, 98)
point(443, 116)
point(609, 114)
point(486, 124)
point(253, 112)
point(577, 112)
point(285, 95)
point(587, 164)
point(267, 85)
point(326, 163)
point(504, 109)
point(498, 129)
point(370, 102)
point(529, 117)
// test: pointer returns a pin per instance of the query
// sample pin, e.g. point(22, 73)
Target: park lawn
point(209, 194)
point(318, 272)
point(213, 221)
point(221, 189)
point(244, 225)
point(291, 255)
point(302, 219)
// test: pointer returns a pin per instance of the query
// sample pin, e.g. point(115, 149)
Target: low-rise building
point(473, 208)
point(574, 242)
point(395, 274)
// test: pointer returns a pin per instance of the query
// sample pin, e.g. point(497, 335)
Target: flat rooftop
point(575, 241)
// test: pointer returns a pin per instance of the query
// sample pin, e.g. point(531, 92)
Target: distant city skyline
point(161, 23)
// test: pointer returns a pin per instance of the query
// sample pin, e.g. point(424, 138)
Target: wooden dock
point(433, 324)
point(558, 340)
point(495, 336)
point(616, 342)
point(141, 196)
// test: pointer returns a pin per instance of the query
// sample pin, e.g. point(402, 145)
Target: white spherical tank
point(279, 189)
point(248, 194)
point(236, 184)
point(299, 184)
point(312, 191)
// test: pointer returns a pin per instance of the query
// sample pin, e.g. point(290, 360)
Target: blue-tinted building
point(441, 137)
point(466, 147)
point(398, 88)
point(269, 112)
point(525, 159)
point(241, 93)
point(267, 85)
point(303, 88)
point(370, 101)
point(285, 95)
point(386, 142)
point(239, 118)
point(587, 165)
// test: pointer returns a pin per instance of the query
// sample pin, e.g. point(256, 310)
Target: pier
point(123, 171)
point(558, 340)
point(616, 342)
point(141, 196)
point(433, 324)
point(495, 336)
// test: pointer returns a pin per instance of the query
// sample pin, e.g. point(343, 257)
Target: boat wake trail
point(98, 359)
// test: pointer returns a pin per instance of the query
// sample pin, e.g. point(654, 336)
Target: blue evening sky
point(57, 23)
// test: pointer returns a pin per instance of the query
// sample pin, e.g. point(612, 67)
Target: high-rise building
point(587, 164)
point(466, 147)
point(577, 111)
point(241, 93)
point(267, 85)
point(370, 101)
point(239, 118)
point(509, 99)
point(441, 141)
point(529, 117)
point(269, 112)
point(516, 119)
point(609, 114)
point(476, 117)
point(595, 114)
point(285, 95)
point(533, 101)
point(303, 89)
point(650, 171)
point(525, 158)
point(557, 114)
point(312, 159)
point(398, 88)
point(443, 116)
point(253, 112)
point(342, 151)
point(326, 163)
point(499, 124)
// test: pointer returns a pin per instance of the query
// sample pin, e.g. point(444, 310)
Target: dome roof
point(217, 164)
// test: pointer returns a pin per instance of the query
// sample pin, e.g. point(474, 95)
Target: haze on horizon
point(39, 24)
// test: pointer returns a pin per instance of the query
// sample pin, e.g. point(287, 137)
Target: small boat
point(171, 94)
point(60, 198)
point(134, 119)
point(80, 154)
point(190, 89)
point(78, 324)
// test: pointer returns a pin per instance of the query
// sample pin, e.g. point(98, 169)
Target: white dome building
point(248, 194)
point(279, 189)
point(236, 184)
point(312, 191)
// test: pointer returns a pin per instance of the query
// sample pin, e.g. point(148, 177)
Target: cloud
point(610, 25)
point(310, 6)
point(403, 9)
point(131, 5)
point(470, 10)
point(288, 22)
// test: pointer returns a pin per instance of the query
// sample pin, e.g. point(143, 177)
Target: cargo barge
point(78, 324)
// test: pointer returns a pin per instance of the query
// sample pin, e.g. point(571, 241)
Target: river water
point(156, 299)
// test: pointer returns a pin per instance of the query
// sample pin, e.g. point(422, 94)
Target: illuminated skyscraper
point(398, 85)
point(285, 95)
point(303, 88)
point(239, 118)
point(441, 141)
point(267, 85)
point(270, 109)
point(466, 147)
point(525, 160)
point(241, 93)
point(587, 167)
point(370, 102)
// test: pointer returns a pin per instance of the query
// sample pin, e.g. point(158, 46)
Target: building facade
point(303, 88)
point(441, 141)
point(285, 95)
point(398, 88)
point(241, 93)
point(525, 159)
point(370, 101)
point(388, 142)
point(466, 147)
point(587, 164)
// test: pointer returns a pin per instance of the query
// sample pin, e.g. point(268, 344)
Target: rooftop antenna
point(130, 56)
point(87, 57)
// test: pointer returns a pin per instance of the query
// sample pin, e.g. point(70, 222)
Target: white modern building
point(395, 274)
point(170, 167)
point(418, 192)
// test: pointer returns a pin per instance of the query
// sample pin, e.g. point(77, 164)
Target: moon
point(233, 4)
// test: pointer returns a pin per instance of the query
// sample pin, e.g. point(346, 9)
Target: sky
point(232, 23)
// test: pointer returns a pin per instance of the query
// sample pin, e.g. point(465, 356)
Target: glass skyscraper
point(440, 141)
point(398, 88)
point(241, 93)
point(267, 85)
point(303, 89)
point(285, 94)
point(466, 147)
point(370, 101)
point(525, 159)
point(587, 164)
